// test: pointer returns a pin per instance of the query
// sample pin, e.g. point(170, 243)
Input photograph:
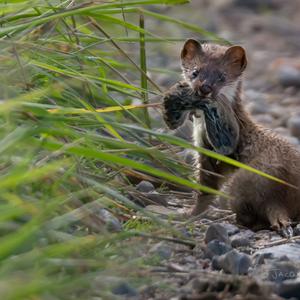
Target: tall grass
point(63, 159)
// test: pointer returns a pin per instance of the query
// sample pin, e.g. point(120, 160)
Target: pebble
point(111, 222)
point(234, 262)
point(261, 258)
point(258, 107)
point(281, 271)
point(145, 186)
point(294, 126)
point(231, 228)
point(216, 248)
point(124, 289)
point(258, 5)
point(264, 119)
point(240, 242)
point(217, 232)
point(289, 76)
point(289, 289)
point(297, 230)
point(162, 249)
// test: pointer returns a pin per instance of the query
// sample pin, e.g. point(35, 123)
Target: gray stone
point(297, 230)
point(258, 5)
point(258, 107)
point(162, 249)
point(231, 229)
point(145, 186)
point(217, 232)
point(289, 76)
point(240, 242)
point(281, 271)
point(264, 119)
point(234, 262)
point(292, 140)
point(216, 248)
point(291, 250)
point(261, 258)
point(289, 289)
point(124, 289)
point(294, 126)
point(111, 222)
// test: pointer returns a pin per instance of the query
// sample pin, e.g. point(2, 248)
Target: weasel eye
point(194, 74)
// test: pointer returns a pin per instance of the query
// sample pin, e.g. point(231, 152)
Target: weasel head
point(212, 70)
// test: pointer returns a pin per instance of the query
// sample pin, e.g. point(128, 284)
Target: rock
point(289, 289)
point(264, 119)
point(234, 262)
point(294, 126)
point(258, 5)
point(291, 250)
point(231, 229)
point(157, 198)
point(216, 232)
point(240, 242)
point(288, 75)
point(188, 156)
point(162, 249)
point(246, 234)
point(216, 248)
point(111, 222)
point(261, 258)
point(292, 140)
point(124, 289)
point(258, 107)
point(145, 186)
point(281, 271)
point(297, 230)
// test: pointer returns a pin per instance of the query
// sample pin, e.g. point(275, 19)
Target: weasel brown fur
point(213, 73)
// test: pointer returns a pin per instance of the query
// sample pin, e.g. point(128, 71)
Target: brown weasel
point(212, 82)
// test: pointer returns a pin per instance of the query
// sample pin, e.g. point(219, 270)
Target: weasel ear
point(235, 59)
point(191, 49)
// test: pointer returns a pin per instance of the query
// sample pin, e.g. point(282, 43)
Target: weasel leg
point(202, 203)
point(280, 221)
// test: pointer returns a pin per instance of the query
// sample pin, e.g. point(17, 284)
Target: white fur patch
point(198, 128)
point(230, 91)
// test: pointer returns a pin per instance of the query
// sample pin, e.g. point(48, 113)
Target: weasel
point(212, 90)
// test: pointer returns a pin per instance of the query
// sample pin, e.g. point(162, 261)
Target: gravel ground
point(227, 261)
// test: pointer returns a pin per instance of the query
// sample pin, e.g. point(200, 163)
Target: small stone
point(217, 232)
point(292, 140)
point(258, 5)
point(258, 107)
point(297, 230)
point(234, 262)
point(111, 222)
point(288, 75)
point(281, 271)
point(216, 248)
point(264, 119)
point(246, 234)
point(231, 229)
point(261, 258)
point(162, 249)
point(124, 289)
point(240, 242)
point(289, 289)
point(294, 126)
point(157, 198)
point(145, 186)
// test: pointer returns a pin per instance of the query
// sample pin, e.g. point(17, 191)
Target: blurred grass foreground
point(68, 228)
